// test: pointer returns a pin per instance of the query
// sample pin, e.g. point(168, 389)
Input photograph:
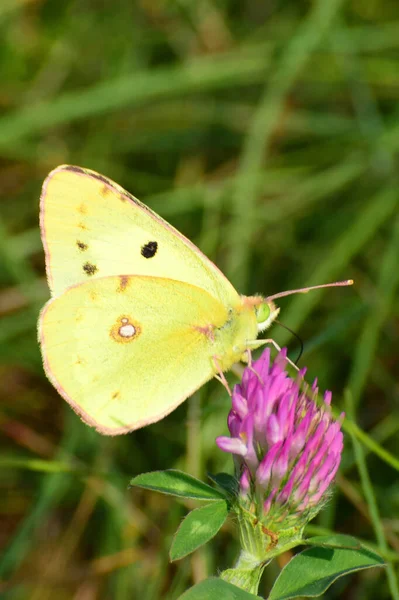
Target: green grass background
point(267, 131)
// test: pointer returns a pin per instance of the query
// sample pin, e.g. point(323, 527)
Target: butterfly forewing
point(93, 228)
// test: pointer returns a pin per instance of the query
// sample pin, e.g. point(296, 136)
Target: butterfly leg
point(220, 375)
point(276, 346)
point(250, 367)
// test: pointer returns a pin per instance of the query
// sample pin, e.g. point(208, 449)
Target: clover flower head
point(286, 445)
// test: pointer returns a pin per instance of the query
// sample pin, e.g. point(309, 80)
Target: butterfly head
point(265, 310)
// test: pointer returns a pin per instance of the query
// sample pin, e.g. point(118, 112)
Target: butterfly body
point(139, 318)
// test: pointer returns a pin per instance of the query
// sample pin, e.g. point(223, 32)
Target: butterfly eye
point(266, 313)
point(262, 312)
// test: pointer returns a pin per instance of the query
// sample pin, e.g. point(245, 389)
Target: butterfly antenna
point(308, 289)
point(295, 335)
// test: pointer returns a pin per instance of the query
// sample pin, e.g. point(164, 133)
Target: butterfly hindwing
point(124, 351)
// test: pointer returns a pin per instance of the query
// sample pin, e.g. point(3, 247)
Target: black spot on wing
point(81, 245)
point(149, 249)
point(89, 268)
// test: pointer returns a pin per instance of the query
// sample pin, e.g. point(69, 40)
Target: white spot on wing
point(125, 330)
point(128, 330)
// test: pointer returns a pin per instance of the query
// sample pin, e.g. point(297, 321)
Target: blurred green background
point(267, 131)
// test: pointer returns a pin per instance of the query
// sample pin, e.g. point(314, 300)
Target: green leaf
point(216, 589)
point(176, 483)
point(198, 527)
point(225, 482)
point(336, 540)
point(311, 572)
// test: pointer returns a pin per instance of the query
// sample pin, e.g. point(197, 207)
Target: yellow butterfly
point(139, 318)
